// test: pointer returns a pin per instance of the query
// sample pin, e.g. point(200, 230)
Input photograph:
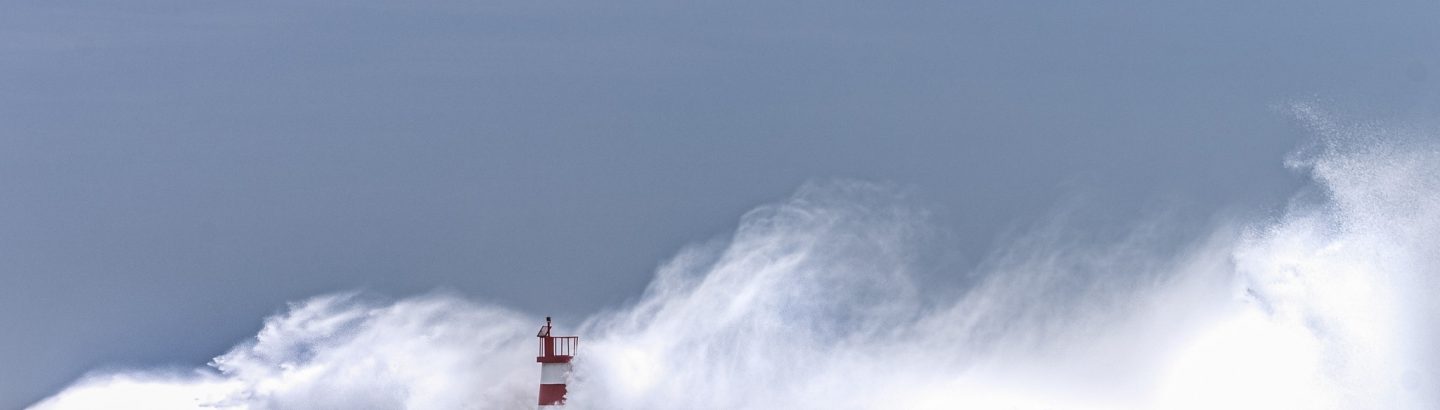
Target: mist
point(840, 297)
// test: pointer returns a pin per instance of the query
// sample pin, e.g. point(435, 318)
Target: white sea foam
point(824, 301)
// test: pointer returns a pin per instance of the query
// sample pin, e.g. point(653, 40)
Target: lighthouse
point(555, 355)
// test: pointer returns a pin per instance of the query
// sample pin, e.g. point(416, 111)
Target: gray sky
point(173, 171)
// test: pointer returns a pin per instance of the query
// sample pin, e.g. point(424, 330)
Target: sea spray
point(818, 301)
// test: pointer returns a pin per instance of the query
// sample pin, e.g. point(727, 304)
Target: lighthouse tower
point(555, 354)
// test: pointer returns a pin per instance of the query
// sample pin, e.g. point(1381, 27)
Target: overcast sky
point(171, 172)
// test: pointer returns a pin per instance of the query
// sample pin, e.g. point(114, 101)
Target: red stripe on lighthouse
point(552, 394)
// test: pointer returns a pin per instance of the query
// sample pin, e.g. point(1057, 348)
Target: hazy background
point(172, 172)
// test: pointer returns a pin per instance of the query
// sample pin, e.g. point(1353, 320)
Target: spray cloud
point(825, 300)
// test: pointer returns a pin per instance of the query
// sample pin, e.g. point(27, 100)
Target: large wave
point(833, 299)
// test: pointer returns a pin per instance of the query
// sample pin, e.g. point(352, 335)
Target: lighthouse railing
point(559, 346)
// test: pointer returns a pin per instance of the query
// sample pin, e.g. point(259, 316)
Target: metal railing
point(559, 345)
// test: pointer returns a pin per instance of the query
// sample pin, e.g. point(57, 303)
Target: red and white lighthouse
point(555, 355)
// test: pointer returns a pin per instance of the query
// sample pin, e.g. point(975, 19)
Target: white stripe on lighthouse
point(554, 373)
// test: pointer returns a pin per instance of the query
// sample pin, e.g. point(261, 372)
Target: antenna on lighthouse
point(554, 359)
